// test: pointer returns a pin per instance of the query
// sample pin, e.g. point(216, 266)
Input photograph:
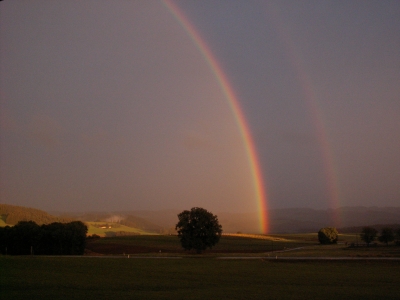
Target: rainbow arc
point(228, 91)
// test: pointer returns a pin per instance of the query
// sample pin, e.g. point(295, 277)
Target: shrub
point(387, 235)
point(328, 235)
point(368, 235)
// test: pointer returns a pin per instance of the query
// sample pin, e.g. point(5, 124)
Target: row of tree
point(27, 237)
point(329, 235)
point(387, 235)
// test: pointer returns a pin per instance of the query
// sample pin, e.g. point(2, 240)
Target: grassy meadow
point(284, 245)
point(195, 278)
point(228, 244)
point(109, 229)
point(147, 273)
point(2, 223)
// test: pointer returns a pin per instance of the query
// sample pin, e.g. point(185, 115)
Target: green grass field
point(194, 278)
point(94, 228)
point(171, 244)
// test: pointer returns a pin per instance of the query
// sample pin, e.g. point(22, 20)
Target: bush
point(387, 235)
point(328, 235)
point(368, 235)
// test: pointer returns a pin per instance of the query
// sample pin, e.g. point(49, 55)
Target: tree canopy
point(328, 235)
point(53, 239)
point(198, 229)
point(386, 236)
point(368, 234)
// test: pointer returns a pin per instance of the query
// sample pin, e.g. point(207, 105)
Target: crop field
point(195, 278)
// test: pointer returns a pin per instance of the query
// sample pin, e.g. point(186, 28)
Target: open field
point(2, 223)
point(296, 245)
point(112, 229)
point(170, 244)
point(195, 278)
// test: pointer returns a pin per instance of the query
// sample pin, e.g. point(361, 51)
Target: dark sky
point(110, 105)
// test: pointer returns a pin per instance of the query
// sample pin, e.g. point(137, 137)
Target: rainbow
point(316, 114)
point(229, 93)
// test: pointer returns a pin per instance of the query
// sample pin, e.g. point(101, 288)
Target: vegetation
point(164, 244)
point(12, 214)
point(198, 229)
point(368, 235)
point(397, 237)
point(56, 238)
point(209, 278)
point(282, 245)
point(386, 236)
point(105, 229)
point(328, 235)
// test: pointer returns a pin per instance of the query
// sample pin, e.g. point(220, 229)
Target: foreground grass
point(189, 278)
point(342, 251)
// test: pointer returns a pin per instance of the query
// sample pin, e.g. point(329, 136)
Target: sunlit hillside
point(12, 214)
point(105, 229)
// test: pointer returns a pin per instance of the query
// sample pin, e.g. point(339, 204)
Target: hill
point(126, 219)
point(287, 220)
point(12, 214)
point(107, 229)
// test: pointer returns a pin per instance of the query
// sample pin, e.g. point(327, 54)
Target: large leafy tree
point(368, 234)
point(328, 235)
point(387, 235)
point(198, 229)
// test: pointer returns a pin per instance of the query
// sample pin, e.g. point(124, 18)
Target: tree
point(328, 235)
point(368, 235)
point(53, 239)
point(387, 235)
point(23, 238)
point(198, 229)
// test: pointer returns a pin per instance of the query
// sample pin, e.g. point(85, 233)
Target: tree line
point(27, 237)
point(387, 235)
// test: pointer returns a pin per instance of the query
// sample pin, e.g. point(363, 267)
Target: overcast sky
point(110, 105)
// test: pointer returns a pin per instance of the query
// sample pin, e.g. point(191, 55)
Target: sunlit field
point(111, 229)
point(190, 278)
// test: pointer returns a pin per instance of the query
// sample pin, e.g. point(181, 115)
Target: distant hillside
point(123, 218)
point(298, 220)
point(12, 214)
point(378, 227)
point(288, 220)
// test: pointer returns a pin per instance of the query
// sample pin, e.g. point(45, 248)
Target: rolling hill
point(12, 214)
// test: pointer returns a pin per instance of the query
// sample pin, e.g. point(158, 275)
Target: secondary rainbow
point(316, 113)
point(229, 93)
